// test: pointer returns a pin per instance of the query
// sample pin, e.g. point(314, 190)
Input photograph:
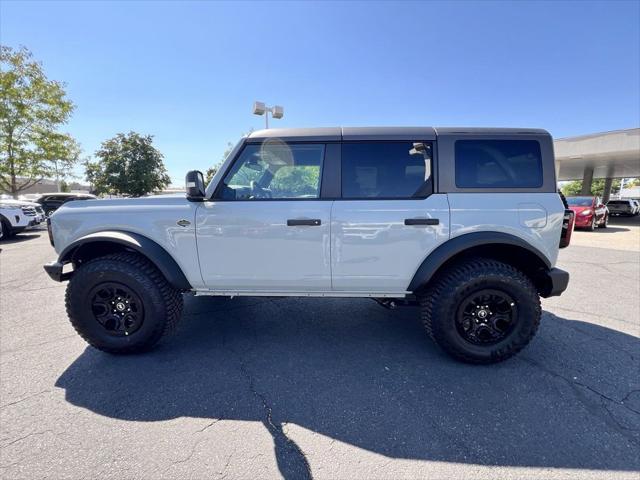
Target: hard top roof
point(379, 133)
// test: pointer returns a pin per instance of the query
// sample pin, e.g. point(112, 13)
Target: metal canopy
point(611, 154)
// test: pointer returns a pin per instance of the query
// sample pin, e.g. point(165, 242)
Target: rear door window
point(383, 170)
point(498, 164)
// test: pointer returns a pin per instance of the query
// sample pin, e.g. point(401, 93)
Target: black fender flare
point(138, 243)
point(458, 245)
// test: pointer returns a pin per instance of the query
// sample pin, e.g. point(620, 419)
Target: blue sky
point(189, 72)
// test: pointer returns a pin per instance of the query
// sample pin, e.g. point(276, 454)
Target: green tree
point(211, 171)
point(597, 187)
point(32, 109)
point(64, 186)
point(128, 164)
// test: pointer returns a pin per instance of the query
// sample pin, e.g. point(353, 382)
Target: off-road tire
point(161, 302)
point(440, 302)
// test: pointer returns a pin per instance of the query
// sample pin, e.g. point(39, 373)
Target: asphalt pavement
point(323, 388)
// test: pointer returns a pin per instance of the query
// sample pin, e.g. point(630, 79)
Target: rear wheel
point(121, 303)
point(481, 311)
point(605, 222)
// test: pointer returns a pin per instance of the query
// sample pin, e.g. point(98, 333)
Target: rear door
point(387, 219)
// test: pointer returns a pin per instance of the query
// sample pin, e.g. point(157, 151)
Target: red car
point(590, 212)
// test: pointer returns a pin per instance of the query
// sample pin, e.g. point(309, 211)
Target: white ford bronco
point(464, 223)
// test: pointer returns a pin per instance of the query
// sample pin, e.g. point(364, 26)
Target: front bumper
point(54, 270)
point(583, 220)
point(556, 282)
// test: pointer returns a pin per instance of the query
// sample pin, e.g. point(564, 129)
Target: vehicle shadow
point(611, 229)
point(355, 372)
point(19, 238)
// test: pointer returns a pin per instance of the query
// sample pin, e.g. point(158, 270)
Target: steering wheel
point(257, 191)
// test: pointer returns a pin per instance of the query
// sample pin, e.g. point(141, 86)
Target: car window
point(275, 171)
point(580, 201)
point(498, 164)
point(383, 170)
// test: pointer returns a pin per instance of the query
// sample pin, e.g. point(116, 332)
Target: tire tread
point(144, 268)
point(453, 278)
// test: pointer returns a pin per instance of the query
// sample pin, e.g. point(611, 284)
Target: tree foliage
point(128, 165)
point(597, 187)
point(32, 109)
point(211, 171)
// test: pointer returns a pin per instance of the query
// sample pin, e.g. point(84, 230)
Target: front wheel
point(121, 303)
point(5, 229)
point(481, 311)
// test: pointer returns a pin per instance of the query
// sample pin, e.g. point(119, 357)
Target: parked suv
point(13, 219)
point(465, 223)
point(622, 207)
point(52, 201)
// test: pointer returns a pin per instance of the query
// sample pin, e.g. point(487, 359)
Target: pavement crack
point(608, 416)
point(292, 461)
point(25, 437)
point(210, 424)
point(187, 458)
point(24, 398)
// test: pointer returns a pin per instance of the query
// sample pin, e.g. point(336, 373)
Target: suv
point(465, 223)
point(622, 207)
point(13, 218)
point(52, 201)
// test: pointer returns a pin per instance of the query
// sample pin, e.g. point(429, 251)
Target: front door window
point(275, 171)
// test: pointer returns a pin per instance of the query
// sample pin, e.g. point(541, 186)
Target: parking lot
point(300, 388)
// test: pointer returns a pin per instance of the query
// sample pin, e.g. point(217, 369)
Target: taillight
point(49, 232)
point(568, 222)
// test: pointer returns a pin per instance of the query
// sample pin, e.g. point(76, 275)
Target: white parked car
point(464, 223)
point(33, 210)
point(13, 220)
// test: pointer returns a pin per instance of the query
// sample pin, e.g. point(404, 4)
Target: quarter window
point(275, 171)
point(498, 164)
point(384, 169)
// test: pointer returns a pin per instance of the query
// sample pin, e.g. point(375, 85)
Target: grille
point(29, 211)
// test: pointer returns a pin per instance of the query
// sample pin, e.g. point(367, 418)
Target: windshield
point(580, 201)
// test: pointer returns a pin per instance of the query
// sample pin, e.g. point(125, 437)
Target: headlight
point(586, 212)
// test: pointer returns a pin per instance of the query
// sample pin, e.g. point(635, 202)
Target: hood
point(21, 203)
point(578, 209)
point(143, 203)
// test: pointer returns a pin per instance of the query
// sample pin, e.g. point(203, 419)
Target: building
point(605, 155)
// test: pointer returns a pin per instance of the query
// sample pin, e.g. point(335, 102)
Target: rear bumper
point(557, 281)
point(54, 270)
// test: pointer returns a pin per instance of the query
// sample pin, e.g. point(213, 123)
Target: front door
point(388, 220)
point(266, 230)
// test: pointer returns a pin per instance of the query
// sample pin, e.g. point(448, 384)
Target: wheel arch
point(104, 243)
point(496, 245)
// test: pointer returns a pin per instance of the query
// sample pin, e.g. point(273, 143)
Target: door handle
point(421, 221)
point(300, 222)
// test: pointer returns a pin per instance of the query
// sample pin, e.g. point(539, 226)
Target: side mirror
point(194, 183)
